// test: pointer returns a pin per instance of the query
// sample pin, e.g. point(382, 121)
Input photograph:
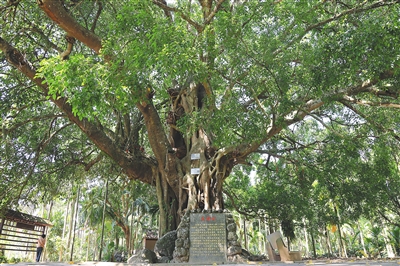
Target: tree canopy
point(149, 83)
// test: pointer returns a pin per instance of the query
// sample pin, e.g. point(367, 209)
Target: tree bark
point(178, 190)
point(56, 11)
point(103, 221)
point(388, 245)
point(70, 227)
point(313, 244)
point(305, 231)
point(60, 256)
point(362, 240)
point(328, 243)
point(140, 168)
point(75, 219)
point(341, 244)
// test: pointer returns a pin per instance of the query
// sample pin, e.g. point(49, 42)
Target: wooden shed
point(150, 240)
point(20, 231)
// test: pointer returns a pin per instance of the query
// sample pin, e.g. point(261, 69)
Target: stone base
point(182, 243)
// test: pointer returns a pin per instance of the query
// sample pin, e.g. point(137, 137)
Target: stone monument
point(207, 237)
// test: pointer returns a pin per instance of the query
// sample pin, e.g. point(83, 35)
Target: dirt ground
point(335, 262)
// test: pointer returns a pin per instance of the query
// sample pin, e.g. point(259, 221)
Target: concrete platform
point(395, 262)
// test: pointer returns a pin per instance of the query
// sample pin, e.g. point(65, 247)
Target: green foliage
point(394, 236)
point(264, 61)
point(375, 243)
point(332, 174)
point(150, 47)
point(14, 260)
point(79, 79)
point(37, 162)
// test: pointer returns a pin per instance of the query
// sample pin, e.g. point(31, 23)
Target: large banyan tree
point(177, 93)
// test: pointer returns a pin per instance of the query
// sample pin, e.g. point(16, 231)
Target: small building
point(20, 231)
point(150, 239)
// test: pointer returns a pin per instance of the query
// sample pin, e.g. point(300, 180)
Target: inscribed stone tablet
point(207, 237)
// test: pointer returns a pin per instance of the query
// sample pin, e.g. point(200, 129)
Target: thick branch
point(158, 140)
point(311, 105)
point(159, 144)
point(139, 168)
point(56, 11)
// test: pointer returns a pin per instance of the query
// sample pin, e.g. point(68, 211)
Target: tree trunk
point(260, 238)
point(135, 235)
point(116, 241)
point(328, 243)
point(246, 244)
point(75, 223)
point(184, 182)
point(313, 244)
point(179, 189)
point(306, 244)
point(389, 247)
point(87, 246)
point(82, 237)
point(103, 221)
point(95, 245)
point(127, 235)
point(133, 232)
point(162, 221)
point(342, 246)
point(49, 218)
point(362, 240)
point(70, 227)
point(60, 256)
